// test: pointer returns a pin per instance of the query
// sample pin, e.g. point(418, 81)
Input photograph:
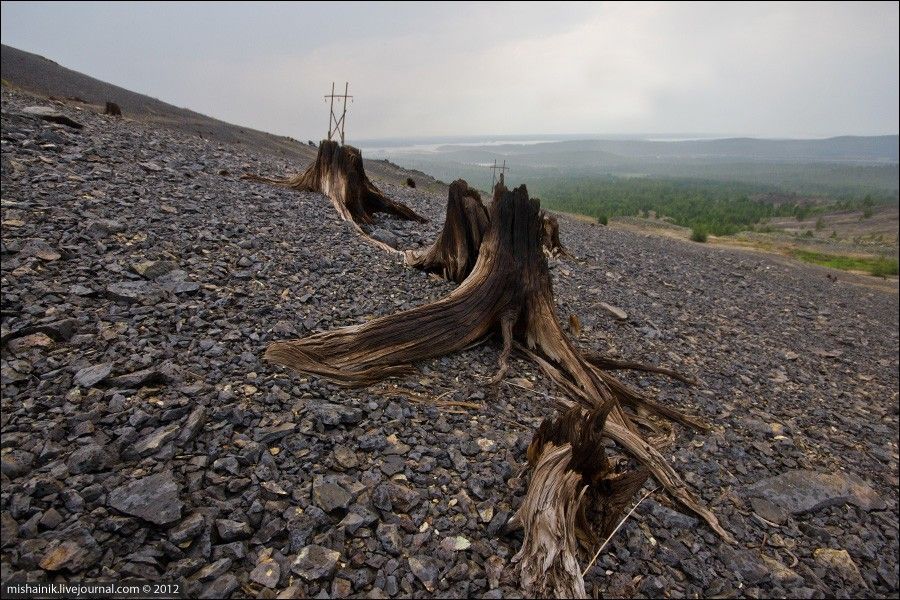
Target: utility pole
point(494, 168)
point(335, 124)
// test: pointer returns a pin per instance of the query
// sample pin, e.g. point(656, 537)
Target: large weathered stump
point(454, 254)
point(494, 297)
point(509, 291)
point(339, 174)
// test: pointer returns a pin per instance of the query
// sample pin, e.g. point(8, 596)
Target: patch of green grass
point(884, 267)
point(879, 266)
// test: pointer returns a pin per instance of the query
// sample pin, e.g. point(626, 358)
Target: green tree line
point(721, 208)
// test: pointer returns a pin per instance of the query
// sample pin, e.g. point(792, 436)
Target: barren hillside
point(144, 437)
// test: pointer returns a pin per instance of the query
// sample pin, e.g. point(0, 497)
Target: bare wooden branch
point(612, 364)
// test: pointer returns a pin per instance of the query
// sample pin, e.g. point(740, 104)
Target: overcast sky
point(801, 69)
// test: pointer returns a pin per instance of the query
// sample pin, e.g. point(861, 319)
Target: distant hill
point(43, 77)
point(858, 149)
point(838, 166)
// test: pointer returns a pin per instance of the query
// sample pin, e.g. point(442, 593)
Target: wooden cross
point(336, 124)
point(494, 168)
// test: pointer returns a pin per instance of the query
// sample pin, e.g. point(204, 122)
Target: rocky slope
point(143, 437)
point(45, 77)
point(34, 74)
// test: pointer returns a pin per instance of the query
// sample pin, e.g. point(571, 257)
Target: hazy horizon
point(476, 138)
point(434, 70)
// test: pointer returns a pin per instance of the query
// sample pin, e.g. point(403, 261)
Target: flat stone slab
point(48, 113)
point(315, 562)
point(154, 499)
point(91, 376)
point(801, 491)
point(615, 311)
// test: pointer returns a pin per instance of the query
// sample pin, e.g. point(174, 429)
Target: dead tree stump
point(338, 173)
point(550, 235)
point(112, 109)
point(509, 291)
point(573, 484)
point(454, 253)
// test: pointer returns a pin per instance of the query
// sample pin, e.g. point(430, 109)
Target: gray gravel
point(143, 437)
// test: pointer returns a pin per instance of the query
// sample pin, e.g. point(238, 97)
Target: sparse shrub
point(410, 182)
point(883, 267)
point(834, 234)
point(699, 234)
point(868, 206)
point(603, 219)
point(809, 233)
point(820, 224)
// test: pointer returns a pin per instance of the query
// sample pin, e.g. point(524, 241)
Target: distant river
point(394, 147)
point(386, 148)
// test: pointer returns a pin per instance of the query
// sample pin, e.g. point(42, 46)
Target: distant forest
point(721, 208)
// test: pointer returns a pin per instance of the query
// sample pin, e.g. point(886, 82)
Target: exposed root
point(506, 333)
point(612, 364)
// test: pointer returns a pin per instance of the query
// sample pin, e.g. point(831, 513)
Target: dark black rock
point(330, 496)
point(426, 570)
point(154, 498)
point(390, 538)
point(91, 376)
point(230, 530)
point(75, 551)
point(315, 562)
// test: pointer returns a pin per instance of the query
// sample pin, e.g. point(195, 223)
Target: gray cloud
point(762, 69)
